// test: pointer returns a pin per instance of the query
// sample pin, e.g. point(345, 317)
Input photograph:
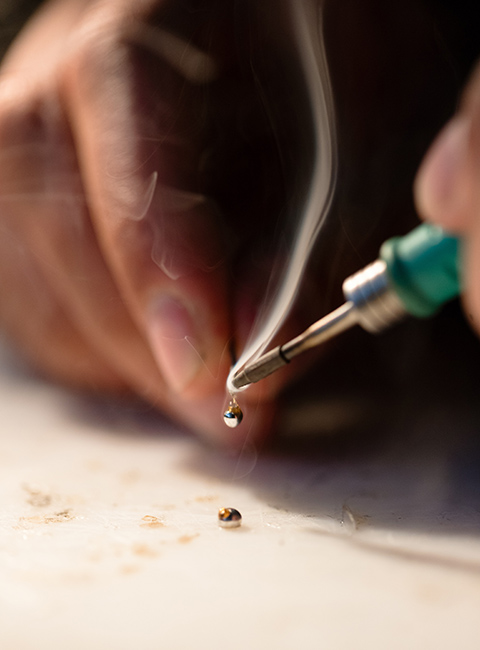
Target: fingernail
point(173, 340)
point(437, 190)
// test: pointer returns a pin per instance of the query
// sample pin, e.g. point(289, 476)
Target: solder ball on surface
point(229, 518)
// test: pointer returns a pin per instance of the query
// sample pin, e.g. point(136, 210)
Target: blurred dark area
point(13, 15)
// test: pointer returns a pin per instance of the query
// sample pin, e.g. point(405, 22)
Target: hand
point(114, 257)
point(447, 188)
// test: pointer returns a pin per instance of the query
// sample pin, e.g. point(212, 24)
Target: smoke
point(307, 20)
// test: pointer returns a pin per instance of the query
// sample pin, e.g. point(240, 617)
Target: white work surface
point(109, 538)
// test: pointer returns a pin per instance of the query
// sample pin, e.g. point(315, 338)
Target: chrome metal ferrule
point(376, 305)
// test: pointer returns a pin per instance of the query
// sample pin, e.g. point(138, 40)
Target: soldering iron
point(414, 275)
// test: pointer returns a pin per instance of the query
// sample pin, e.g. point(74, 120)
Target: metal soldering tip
point(261, 368)
point(326, 328)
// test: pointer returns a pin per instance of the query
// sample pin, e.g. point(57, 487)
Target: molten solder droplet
point(229, 518)
point(233, 415)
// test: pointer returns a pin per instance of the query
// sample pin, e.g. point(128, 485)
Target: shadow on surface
point(405, 456)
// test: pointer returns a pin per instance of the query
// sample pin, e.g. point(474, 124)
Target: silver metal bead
point(233, 415)
point(229, 518)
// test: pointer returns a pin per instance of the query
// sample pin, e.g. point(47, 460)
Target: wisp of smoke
point(307, 21)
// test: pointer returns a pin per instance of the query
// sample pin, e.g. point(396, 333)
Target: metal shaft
point(370, 303)
point(326, 328)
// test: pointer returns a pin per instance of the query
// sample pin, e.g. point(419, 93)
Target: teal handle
point(423, 268)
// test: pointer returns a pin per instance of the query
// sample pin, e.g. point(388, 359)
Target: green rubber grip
point(423, 269)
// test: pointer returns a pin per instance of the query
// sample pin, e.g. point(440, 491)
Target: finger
point(43, 199)
point(43, 209)
point(33, 319)
point(136, 128)
point(50, 257)
point(445, 186)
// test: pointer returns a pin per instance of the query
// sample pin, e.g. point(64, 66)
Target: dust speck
point(37, 496)
point(353, 520)
point(143, 550)
point(149, 521)
point(128, 569)
point(54, 518)
point(186, 539)
point(206, 498)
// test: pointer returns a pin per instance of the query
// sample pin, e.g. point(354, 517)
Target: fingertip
point(174, 341)
point(189, 353)
point(440, 188)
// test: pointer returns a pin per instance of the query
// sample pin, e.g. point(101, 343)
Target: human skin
point(114, 261)
point(447, 189)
